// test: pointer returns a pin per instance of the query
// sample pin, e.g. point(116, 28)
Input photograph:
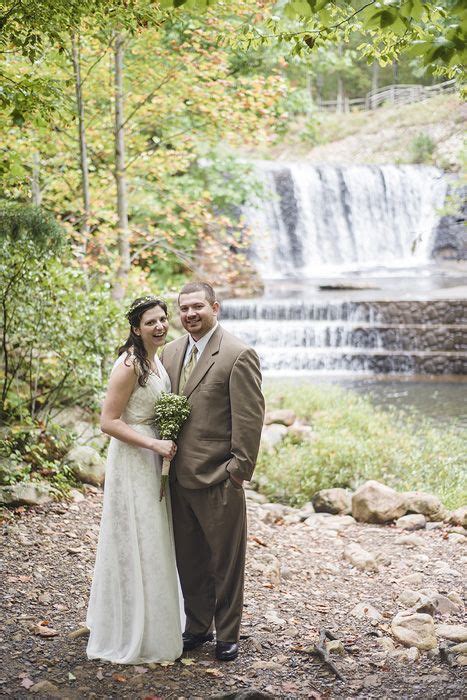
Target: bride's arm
point(121, 384)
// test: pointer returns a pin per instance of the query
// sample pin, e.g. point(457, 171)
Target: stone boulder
point(414, 630)
point(425, 504)
point(335, 501)
point(360, 558)
point(366, 610)
point(456, 633)
point(373, 502)
point(301, 432)
point(444, 605)
point(411, 522)
point(273, 512)
point(459, 517)
point(254, 496)
point(272, 435)
point(326, 521)
point(410, 540)
point(284, 416)
point(305, 511)
point(82, 424)
point(29, 493)
point(9, 469)
point(87, 464)
point(268, 566)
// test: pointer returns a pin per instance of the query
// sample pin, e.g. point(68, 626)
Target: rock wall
point(450, 242)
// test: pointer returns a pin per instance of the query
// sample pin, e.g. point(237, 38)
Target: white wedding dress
point(134, 613)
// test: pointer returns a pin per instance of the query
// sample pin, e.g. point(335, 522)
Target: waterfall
point(313, 222)
point(322, 219)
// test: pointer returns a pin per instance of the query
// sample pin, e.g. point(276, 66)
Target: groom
point(217, 450)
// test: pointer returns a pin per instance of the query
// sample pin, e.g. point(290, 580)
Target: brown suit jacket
point(223, 431)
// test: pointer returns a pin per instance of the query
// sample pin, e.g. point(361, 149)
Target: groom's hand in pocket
point(238, 483)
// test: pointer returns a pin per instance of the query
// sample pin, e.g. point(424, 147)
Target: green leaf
point(387, 18)
point(297, 8)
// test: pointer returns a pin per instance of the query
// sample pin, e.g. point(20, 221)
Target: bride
point(134, 612)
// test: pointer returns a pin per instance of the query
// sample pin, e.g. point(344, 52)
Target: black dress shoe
point(192, 641)
point(226, 651)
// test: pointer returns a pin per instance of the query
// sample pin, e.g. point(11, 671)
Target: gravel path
point(297, 584)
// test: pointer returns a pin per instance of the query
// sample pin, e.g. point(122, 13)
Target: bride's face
point(153, 328)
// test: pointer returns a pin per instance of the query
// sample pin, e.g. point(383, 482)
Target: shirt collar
point(202, 342)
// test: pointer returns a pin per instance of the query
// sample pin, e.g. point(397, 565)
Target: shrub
point(56, 329)
point(32, 452)
point(422, 149)
point(355, 442)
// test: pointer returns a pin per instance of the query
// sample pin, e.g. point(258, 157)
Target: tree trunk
point(83, 147)
point(374, 75)
point(319, 89)
point(340, 101)
point(120, 175)
point(36, 193)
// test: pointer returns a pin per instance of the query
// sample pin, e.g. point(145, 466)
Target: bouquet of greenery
point(170, 413)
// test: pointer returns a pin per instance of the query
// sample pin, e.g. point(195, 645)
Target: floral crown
point(142, 301)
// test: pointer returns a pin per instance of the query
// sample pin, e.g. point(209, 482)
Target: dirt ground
point(297, 584)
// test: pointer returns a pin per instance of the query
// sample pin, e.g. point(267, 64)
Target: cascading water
point(324, 221)
point(313, 220)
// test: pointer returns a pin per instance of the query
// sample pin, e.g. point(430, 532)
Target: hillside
point(386, 135)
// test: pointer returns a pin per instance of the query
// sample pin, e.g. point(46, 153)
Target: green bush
point(422, 149)
point(58, 326)
point(32, 452)
point(355, 442)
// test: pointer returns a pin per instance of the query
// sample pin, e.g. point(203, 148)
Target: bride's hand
point(165, 448)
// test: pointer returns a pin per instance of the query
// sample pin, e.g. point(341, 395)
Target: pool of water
point(443, 279)
point(444, 401)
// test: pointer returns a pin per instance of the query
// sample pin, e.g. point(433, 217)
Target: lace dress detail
point(134, 613)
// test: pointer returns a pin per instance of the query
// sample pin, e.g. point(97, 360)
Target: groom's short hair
point(205, 287)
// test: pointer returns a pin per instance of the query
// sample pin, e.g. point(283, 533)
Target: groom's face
point(197, 315)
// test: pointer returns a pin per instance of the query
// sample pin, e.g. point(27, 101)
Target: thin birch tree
point(83, 148)
point(120, 171)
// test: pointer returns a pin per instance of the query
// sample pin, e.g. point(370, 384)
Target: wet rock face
point(450, 241)
point(381, 337)
point(435, 312)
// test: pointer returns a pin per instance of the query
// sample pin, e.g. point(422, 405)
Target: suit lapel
point(205, 362)
point(174, 367)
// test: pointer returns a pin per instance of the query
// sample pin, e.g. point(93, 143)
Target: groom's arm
point(247, 411)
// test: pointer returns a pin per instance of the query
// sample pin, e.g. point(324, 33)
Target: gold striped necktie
point(187, 369)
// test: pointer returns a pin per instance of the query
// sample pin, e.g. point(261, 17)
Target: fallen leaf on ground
point(214, 672)
point(120, 679)
point(99, 675)
point(15, 579)
point(27, 683)
point(71, 677)
point(43, 630)
point(188, 662)
point(141, 669)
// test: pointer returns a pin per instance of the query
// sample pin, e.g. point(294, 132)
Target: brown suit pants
point(210, 542)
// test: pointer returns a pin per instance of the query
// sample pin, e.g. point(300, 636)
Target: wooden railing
point(390, 94)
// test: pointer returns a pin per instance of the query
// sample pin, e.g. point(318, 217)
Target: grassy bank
point(354, 441)
point(390, 134)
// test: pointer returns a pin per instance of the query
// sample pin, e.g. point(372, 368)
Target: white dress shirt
point(200, 344)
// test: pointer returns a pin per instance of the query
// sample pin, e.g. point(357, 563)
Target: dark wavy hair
point(133, 345)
